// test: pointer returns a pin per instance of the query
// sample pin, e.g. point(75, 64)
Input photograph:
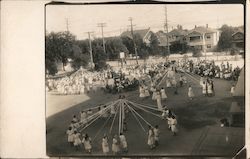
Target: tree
point(79, 59)
point(128, 43)
point(99, 57)
point(59, 47)
point(154, 45)
point(113, 48)
point(225, 41)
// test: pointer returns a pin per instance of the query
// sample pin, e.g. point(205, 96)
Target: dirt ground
point(194, 118)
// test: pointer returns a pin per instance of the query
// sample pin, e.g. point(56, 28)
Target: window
point(208, 37)
point(209, 46)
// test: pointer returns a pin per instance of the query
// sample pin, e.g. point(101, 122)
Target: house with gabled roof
point(144, 33)
point(238, 38)
point(203, 38)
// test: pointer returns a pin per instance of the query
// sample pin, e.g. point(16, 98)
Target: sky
point(85, 18)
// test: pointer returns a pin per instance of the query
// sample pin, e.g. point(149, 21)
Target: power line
point(132, 34)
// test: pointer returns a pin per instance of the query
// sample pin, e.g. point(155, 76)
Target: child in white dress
point(190, 92)
point(105, 145)
point(115, 145)
point(87, 143)
point(163, 94)
point(123, 142)
point(70, 133)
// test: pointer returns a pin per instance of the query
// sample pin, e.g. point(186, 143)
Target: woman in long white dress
point(141, 91)
point(70, 133)
point(190, 92)
point(154, 93)
point(163, 94)
point(168, 83)
point(158, 99)
point(123, 142)
point(209, 89)
point(151, 138)
point(115, 145)
point(87, 143)
point(204, 88)
point(77, 140)
point(156, 135)
point(232, 90)
point(83, 117)
point(146, 92)
point(174, 125)
point(105, 145)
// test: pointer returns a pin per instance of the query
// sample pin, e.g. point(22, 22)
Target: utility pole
point(90, 51)
point(103, 41)
point(166, 28)
point(67, 24)
point(132, 34)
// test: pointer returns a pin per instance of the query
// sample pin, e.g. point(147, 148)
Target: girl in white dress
point(190, 92)
point(87, 143)
point(77, 140)
point(158, 99)
point(146, 92)
point(204, 88)
point(154, 93)
point(209, 89)
point(232, 90)
point(70, 133)
point(115, 145)
point(173, 125)
point(168, 83)
point(105, 145)
point(156, 135)
point(123, 142)
point(83, 117)
point(163, 94)
point(151, 138)
point(141, 90)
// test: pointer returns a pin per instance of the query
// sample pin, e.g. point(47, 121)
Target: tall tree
point(225, 41)
point(59, 47)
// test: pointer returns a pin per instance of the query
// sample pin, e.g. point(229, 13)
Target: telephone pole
point(166, 28)
point(90, 51)
point(67, 24)
point(103, 41)
point(132, 34)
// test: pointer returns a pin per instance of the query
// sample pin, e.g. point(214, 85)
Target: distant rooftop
point(141, 32)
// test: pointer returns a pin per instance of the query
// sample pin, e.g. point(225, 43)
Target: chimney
point(207, 25)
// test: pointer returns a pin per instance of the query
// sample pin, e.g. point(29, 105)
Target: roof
point(239, 30)
point(142, 33)
point(202, 30)
point(178, 32)
point(162, 38)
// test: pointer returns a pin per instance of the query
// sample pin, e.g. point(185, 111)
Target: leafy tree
point(113, 48)
point(79, 59)
point(59, 47)
point(128, 43)
point(154, 45)
point(225, 41)
point(99, 57)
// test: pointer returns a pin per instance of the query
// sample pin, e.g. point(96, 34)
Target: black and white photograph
point(145, 80)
